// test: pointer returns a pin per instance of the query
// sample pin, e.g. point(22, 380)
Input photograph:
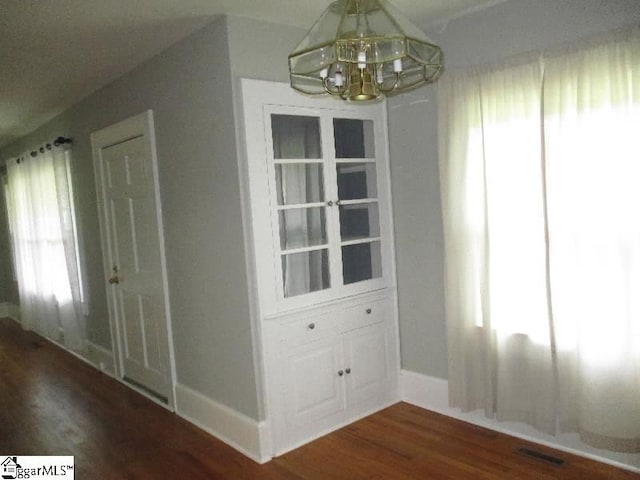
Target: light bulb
point(362, 60)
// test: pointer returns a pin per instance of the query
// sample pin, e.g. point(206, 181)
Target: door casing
point(136, 126)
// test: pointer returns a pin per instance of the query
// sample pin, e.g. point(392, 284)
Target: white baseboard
point(432, 394)
point(94, 355)
point(101, 358)
point(248, 436)
point(9, 310)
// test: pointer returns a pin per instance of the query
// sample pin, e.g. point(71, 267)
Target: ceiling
point(53, 53)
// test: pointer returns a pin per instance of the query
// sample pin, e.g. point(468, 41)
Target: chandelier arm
point(327, 88)
point(393, 87)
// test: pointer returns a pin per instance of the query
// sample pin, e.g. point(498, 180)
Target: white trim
point(101, 358)
point(94, 355)
point(9, 310)
point(433, 394)
point(257, 336)
point(137, 125)
point(313, 436)
point(248, 436)
point(150, 130)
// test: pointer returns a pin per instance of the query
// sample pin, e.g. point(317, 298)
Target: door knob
point(114, 280)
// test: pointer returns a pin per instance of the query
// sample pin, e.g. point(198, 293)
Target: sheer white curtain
point(43, 228)
point(540, 193)
point(592, 121)
point(300, 227)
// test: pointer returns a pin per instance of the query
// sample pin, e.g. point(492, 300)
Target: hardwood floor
point(53, 404)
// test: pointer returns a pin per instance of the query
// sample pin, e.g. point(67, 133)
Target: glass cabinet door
point(327, 202)
point(300, 192)
point(316, 177)
point(357, 199)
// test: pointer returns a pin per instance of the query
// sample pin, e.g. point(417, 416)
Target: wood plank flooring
point(53, 404)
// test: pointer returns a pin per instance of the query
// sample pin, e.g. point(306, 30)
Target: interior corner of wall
point(9, 310)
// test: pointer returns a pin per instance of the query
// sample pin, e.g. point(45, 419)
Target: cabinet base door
point(315, 390)
point(367, 356)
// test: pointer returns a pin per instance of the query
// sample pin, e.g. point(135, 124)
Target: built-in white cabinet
point(330, 366)
point(317, 189)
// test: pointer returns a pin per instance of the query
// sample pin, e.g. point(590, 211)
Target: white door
point(124, 158)
point(367, 367)
point(314, 382)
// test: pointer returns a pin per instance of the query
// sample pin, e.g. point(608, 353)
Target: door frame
point(132, 127)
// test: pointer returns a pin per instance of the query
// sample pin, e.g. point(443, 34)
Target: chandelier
point(362, 50)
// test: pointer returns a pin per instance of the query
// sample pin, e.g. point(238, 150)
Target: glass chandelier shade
point(361, 50)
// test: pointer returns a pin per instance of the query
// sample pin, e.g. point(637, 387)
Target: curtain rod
point(34, 153)
point(56, 143)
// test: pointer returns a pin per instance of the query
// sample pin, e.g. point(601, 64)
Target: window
point(540, 199)
point(43, 228)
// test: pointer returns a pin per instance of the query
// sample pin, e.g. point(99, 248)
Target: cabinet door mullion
point(331, 187)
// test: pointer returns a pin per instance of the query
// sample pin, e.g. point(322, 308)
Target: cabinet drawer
point(365, 314)
point(308, 329)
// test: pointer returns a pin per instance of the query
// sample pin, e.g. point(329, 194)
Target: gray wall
point(488, 36)
point(8, 291)
point(189, 88)
point(260, 49)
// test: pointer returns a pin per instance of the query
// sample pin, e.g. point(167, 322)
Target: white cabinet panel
point(342, 368)
point(309, 328)
point(364, 314)
point(366, 359)
point(314, 388)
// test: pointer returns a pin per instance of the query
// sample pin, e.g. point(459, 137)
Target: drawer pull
point(347, 371)
point(340, 373)
point(368, 311)
point(312, 326)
